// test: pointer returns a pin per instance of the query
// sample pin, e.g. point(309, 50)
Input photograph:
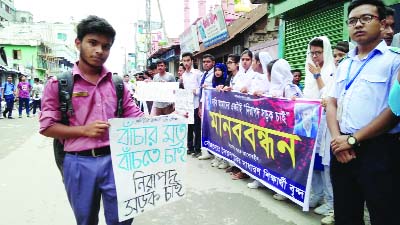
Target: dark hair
point(36, 79)
point(317, 42)
point(209, 56)
point(126, 75)
point(342, 46)
point(181, 64)
point(294, 71)
point(257, 56)
point(234, 57)
point(95, 25)
point(248, 52)
point(161, 61)
point(379, 5)
point(389, 11)
point(152, 66)
point(185, 54)
point(270, 65)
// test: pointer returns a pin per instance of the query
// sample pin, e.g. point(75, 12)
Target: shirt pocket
point(370, 94)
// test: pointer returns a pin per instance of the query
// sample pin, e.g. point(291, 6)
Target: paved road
point(31, 190)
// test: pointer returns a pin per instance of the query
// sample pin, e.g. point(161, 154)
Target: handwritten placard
point(149, 158)
point(184, 103)
point(156, 91)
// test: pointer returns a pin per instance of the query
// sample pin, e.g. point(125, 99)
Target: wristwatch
point(316, 75)
point(352, 141)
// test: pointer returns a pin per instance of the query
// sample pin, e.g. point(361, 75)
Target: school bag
point(65, 88)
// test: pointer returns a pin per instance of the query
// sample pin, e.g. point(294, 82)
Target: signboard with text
point(212, 29)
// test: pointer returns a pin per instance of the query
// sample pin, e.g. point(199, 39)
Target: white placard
point(184, 103)
point(149, 158)
point(156, 91)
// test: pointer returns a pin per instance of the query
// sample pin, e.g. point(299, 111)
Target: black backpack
point(65, 88)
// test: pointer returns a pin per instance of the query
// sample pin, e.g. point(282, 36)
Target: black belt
point(94, 152)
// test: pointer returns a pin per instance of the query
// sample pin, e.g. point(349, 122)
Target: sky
point(121, 14)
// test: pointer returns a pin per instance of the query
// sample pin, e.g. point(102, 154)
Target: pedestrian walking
point(23, 92)
point(37, 91)
point(9, 93)
point(87, 169)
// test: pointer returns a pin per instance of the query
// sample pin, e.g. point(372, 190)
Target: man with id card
point(364, 167)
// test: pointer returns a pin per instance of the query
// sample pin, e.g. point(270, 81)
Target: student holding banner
point(259, 83)
point(366, 148)
point(191, 81)
point(206, 81)
point(88, 174)
point(220, 76)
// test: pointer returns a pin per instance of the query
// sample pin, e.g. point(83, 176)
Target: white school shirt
point(191, 81)
point(368, 96)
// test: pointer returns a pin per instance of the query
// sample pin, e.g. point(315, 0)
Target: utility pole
point(148, 26)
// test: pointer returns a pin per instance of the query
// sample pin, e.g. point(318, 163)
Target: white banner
point(149, 158)
point(156, 91)
point(184, 103)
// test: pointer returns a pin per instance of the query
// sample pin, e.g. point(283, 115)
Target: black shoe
point(5, 114)
point(10, 117)
point(189, 152)
point(196, 154)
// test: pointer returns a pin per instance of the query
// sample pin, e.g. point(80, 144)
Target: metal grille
point(299, 31)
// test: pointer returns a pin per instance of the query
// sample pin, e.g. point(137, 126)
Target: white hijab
point(311, 89)
point(281, 76)
point(260, 81)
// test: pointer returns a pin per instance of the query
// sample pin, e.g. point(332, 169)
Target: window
point(7, 9)
point(17, 54)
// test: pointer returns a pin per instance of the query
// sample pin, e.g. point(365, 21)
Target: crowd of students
point(260, 74)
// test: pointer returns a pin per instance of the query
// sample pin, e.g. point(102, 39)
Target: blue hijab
point(220, 80)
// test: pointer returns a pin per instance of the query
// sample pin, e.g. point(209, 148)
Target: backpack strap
point(65, 87)
point(119, 88)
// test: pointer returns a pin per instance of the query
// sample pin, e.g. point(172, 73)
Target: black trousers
point(372, 178)
point(196, 130)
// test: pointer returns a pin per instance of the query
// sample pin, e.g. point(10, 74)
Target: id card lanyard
point(349, 83)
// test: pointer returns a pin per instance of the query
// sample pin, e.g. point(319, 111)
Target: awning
point(284, 6)
point(240, 25)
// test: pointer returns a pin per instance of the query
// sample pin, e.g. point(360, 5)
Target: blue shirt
point(368, 96)
point(8, 88)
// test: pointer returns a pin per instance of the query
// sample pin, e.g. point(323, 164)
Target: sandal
point(232, 170)
point(239, 176)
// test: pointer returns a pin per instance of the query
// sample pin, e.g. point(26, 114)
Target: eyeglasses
point(316, 53)
point(351, 22)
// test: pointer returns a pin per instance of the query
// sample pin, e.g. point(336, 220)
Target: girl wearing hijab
point(242, 80)
point(259, 83)
point(281, 85)
point(220, 75)
point(320, 68)
point(281, 79)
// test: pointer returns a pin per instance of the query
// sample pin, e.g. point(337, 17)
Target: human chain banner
point(149, 157)
point(271, 139)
